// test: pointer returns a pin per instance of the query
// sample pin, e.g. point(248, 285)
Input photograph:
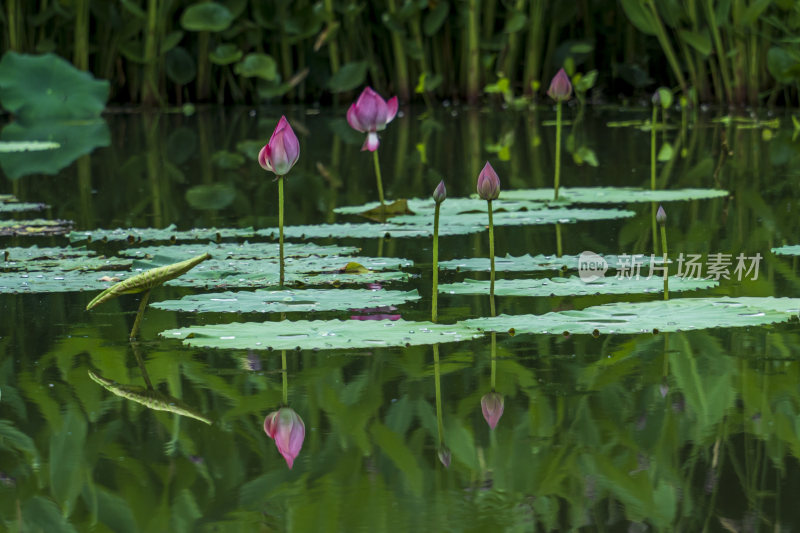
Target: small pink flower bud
point(488, 183)
point(282, 151)
point(560, 88)
point(440, 193)
point(286, 428)
point(492, 407)
point(370, 114)
point(661, 215)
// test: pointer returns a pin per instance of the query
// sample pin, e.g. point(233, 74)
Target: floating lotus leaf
point(148, 279)
point(36, 259)
point(27, 146)
point(319, 334)
point(49, 281)
point(36, 227)
point(10, 204)
point(790, 249)
point(150, 398)
point(170, 233)
point(244, 273)
point(610, 195)
point(575, 286)
point(451, 206)
point(305, 300)
point(479, 220)
point(261, 250)
point(528, 263)
point(355, 231)
point(682, 314)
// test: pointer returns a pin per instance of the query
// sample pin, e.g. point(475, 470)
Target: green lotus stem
point(400, 63)
point(473, 52)
point(378, 176)
point(140, 361)
point(150, 79)
point(653, 225)
point(663, 39)
point(494, 361)
point(559, 250)
point(81, 53)
point(280, 226)
point(653, 147)
point(284, 379)
point(139, 315)
point(720, 52)
point(438, 386)
point(666, 265)
point(534, 46)
point(147, 280)
point(435, 295)
point(12, 14)
point(558, 149)
point(491, 259)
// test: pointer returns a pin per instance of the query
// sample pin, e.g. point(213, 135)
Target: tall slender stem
point(653, 147)
point(140, 362)
point(491, 258)
point(558, 149)
point(559, 248)
point(284, 379)
point(473, 51)
point(438, 385)
point(378, 176)
point(494, 361)
point(280, 225)
point(139, 314)
point(435, 295)
point(666, 265)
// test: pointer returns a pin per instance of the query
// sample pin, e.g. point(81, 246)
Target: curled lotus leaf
point(147, 280)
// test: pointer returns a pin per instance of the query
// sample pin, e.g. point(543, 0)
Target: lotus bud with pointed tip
point(286, 428)
point(282, 151)
point(560, 88)
point(492, 407)
point(488, 183)
point(661, 215)
point(444, 455)
point(440, 193)
point(370, 114)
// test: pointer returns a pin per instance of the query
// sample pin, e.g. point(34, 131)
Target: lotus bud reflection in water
point(286, 428)
point(282, 151)
point(560, 87)
point(370, 114)
point(492, 407)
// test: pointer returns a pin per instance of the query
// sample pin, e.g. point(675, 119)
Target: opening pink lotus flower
point(282, 151)
point(492, 407)
point(286, 428)
point(560, 88)
point(370, 114)
point(488, 183)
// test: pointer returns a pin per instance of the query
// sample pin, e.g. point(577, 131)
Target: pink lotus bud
point(286, 428)
point(492, 407)
point(440, 193)
point(370, 114)
point(282, 151)
point(560, 88)
point(661, 215)
point(488, 183)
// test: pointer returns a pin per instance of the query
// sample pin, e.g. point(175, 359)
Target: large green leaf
point(67, 459)
point(9, 204)
point(349, 77)
point(453, 206)
point(611, 195)
point(319, 334)
point(305, 300)
point(359, 231)
point(575, 286)
point(257, 65)
point(663, 315)
point(528, 263)
point(41, 514)
point(35, 259)
point(638, 14)
point(206, 16)
point(49, 87)
point(179, 66)
point(74, 139)
point(475, 222)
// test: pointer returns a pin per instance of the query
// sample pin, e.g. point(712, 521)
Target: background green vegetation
point(247, 51)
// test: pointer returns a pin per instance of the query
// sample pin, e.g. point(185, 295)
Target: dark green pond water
point(684, 431)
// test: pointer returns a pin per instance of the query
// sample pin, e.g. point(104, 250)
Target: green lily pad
point(683, 314)
point(10, 204)
point(451, 206)
point(575, 286)
point(206, 16)
point(319, 334)
point(354, 231)
point(528, 263)
point(27, 146)
point(34, 259)
point(48, 87)
point(231, 250)
point(790, 249)
point(305, 300)
point(170, 233)
point(611, 195)
point(37, 227)
point(478, 221)
point(227, 160)
point(150, 398)
point(22, 282)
